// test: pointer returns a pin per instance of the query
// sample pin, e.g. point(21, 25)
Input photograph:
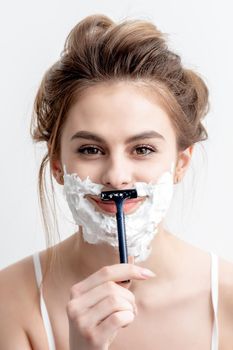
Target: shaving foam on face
point(141, 225)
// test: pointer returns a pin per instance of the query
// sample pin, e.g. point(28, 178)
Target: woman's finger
point(104, 309)
point(97, 294)
point(107, 330)
point(116, 273)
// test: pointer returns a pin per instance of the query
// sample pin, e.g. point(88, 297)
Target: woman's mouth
point(129, 205)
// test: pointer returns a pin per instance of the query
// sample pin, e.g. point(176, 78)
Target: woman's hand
point(99, 306)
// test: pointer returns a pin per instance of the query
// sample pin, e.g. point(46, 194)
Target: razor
point(118, 197)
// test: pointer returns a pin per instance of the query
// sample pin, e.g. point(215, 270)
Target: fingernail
point(147, 273)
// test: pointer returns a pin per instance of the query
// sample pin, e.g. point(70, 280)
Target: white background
point(32, 34)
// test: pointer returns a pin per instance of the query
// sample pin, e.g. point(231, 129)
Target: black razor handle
point(118, 197)
point(121, 233)
point(120, 217)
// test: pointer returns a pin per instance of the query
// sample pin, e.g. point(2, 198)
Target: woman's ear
point(57, 171)
point(182, 164)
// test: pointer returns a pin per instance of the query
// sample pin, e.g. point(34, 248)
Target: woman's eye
point(140, 150)
point(144, 150)
point(90, 150)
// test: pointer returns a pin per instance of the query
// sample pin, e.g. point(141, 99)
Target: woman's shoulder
point(225, 272)
point(225, 285)
point(202, 262)
point(18, 303)
point(18, 289)
point(16, 279)
point(225, 300)
point(225, 305)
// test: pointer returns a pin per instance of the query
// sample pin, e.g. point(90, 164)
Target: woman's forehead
point(120, 108)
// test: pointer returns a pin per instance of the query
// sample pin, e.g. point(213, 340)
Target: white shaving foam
point(141, 225)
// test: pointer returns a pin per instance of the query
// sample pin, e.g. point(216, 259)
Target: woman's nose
point(117, 174)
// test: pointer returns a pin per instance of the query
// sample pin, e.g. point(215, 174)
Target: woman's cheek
point(86, 169)
point(153, 171)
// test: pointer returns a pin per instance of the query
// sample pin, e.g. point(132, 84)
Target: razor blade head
point(118, 195)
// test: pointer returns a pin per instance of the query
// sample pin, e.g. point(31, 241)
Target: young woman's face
point(117, 136)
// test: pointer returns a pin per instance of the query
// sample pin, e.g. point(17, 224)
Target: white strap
point(44, 312)
point(37, 267)
point(214, 293)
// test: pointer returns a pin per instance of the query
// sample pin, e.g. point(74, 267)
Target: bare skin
point(174, 308)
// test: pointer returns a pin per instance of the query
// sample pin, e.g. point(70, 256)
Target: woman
point(118, 111)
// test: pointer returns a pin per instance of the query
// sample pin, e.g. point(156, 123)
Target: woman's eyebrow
point(94, 137)
point(87, 135)
point(145, 135)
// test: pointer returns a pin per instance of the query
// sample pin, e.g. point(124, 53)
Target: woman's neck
point(82, 259)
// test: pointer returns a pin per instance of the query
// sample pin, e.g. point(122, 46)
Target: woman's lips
point(109, 207)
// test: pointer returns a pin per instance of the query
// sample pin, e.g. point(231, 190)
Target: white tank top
point(214, 295)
